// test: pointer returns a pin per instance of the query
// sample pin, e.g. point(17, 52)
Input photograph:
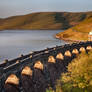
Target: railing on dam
point(16, 66)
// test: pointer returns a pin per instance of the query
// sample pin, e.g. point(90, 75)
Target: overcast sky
point(20, 7)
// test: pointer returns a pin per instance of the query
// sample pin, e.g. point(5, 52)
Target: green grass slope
point(43, 20)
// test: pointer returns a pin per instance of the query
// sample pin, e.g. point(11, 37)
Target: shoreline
point(69, 40)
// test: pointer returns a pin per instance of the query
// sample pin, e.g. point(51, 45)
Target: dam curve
point(39, 69)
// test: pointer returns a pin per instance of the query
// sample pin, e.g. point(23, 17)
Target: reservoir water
point(15, 42)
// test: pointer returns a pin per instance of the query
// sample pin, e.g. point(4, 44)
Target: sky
point(21, 7)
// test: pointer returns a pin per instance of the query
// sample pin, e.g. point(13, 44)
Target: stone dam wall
point(40, 69)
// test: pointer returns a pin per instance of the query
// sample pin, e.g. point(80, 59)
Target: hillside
point(45, 20)
point(78, 32)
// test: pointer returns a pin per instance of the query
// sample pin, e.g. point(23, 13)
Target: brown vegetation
point(44, 20)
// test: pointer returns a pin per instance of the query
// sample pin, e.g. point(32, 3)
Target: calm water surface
point(13, 43)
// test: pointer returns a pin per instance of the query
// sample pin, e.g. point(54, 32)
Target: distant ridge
point(44, 20)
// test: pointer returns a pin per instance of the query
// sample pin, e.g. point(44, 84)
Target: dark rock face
point(11, 88)
point(52, 74)
point(39, 81)
point(27, 83)
point(60, 66)
point(67, 59)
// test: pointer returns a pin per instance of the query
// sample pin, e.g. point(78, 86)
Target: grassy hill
point(78, 32)
point(44, 20)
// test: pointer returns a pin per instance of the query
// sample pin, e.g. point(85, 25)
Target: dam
point(39, 69)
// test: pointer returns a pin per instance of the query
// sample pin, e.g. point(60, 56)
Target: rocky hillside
point(45, 20)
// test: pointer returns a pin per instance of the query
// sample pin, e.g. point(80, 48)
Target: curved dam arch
point(11, 71)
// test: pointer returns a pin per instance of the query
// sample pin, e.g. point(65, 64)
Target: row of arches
point(27, 70)
point(15, 80)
